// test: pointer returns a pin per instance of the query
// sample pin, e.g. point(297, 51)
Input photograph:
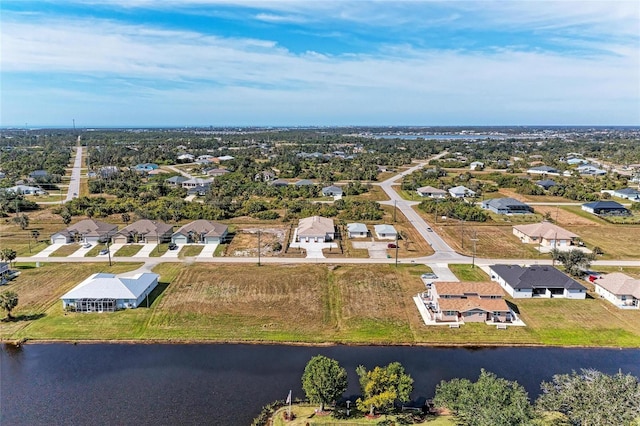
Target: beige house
point(431, 192)
point(461, 302)
point(201, 231)
point(85, 231)
point(315, 229)
point(144, 231)
point(619, 289)
point(546, 234)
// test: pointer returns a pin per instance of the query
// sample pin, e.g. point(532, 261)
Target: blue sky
point(282, 63)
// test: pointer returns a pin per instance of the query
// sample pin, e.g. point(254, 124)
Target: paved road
point(177, 170)
point(74, 183)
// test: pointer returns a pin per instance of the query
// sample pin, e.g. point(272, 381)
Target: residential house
point(304, 182)
point(204, 159)
point(264, 176)
point(431, 192)
point(225, 158)
point(536, 281)
point(200, 231)
point(144, 231)
point(461, 192)
point(476, 165)
point(26, 190)
point(193, 182)
point(545, 234)
point(543, 170)
point(357, 230)
point(4, 269)
point(506, 206)
point(461, 302)
point(216, 172)
point(39, 174)
point(315, 229)
point(605, 208)
point(619, 289)
point(176, 180)
point(108, 171)
point(200, 190)
point(385, 232)
point(279, 182)
point(186, 158)
point(576, 161)
point(145, 167)
point(332, 191)
point(627, 194)
point(85, 231)
point(546, 184)
point(103, 292)
point(588, 169)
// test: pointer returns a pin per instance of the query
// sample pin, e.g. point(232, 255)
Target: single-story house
point(186, 158)
point(469, 302)
point(216, 172)
point(536, 281)
point(476, 165)
point(199, 190)
point(200, 231)
point(627, 194)
point(4, 269)
point(145, 167)
point(543, 170)
point(26, 190)
point(588, 169)
point(578, 161)
point(357, 230)
point(279, 182)
point(605, 208)
point(545, 234)
point(39, 174)
point(264, 176)
point(205, 158)
point(332, 191)
point(193, 182)
point(431, 192)
point(85, 231)
point(461, 192)
point(103, 292)
point(144, 231)
point(225, 158)
point(385, 232)
point(619, 289)
point(546, 184)
point(176, 180)
point(315, 229)
point(506, 206)
point(304, 182)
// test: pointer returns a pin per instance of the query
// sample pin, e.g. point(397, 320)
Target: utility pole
point(474, 239)
point(258, 247)
point(394, 210)
point(109, 252)
point(462, 233)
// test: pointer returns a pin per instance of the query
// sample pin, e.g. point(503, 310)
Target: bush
point(266, 215)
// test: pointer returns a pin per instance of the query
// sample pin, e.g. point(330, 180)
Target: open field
point(245, 241)
point(468, 273)
point(506, 192)
point(305, 415)
point(303, 303)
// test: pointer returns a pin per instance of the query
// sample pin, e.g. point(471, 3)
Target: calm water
point(228, 384)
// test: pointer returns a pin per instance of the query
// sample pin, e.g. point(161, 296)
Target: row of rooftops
point(95, 228)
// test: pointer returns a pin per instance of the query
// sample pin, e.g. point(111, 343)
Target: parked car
point(429, 276)
point(86, 245)
point(429, 229)
point(104, 251)
point(391, 245)
point(173, 246)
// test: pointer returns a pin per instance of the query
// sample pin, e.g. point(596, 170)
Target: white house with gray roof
point(461, 192)
point(385, 232)
point(357, 230)
point(536, 281)
point(506, 206)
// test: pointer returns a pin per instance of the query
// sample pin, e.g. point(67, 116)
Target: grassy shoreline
point(302, 305)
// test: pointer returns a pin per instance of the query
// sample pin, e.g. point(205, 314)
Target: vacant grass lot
point(66, 250)
point(302, 303)
point(128, 250)
point(190, 250)
point(469, 273)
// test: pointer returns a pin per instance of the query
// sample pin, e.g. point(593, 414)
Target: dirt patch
point(564, 217)
point(245, 242)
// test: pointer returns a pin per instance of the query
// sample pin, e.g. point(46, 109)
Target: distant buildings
point(543, 170)
point(506, 206)
point(605, 208)
point(545, 234)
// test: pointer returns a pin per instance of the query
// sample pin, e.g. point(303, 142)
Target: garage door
point(60, 239)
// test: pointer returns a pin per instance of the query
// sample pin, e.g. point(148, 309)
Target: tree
point(35, 234)
point(8, 255)
point(126, 218)
point(382, 386)
point(491, 401)
point(592, 397)
point(22, 220)
point(324, 380)
point(66, 215)
point(8, 301)
point(575, 261)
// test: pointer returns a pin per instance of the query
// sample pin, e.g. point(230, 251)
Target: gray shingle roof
point(538, 276)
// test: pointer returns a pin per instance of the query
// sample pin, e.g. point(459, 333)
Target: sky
point(166, 63)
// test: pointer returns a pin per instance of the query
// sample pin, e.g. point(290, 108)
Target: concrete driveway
point(443, 272)
point(81, 251)
point(314, 250)
point(207, 251)
point(377, 249)
point(48, 250)
point(146, 250)
point(173, 254)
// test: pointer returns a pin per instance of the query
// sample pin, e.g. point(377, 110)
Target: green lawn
point(191, 250)
point(128, 250)
point(468, 273)
point(159, 250)
point(66, 250)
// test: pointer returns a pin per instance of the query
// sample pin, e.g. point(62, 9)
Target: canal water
point(228, 384)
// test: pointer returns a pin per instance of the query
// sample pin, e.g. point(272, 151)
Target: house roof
point(546, 169)
point(488, 288)
point(357, 227)
point(538, 276)
point(176, 179)
point(546, 182)
point(460, 190)
point(385, 229)
point(332, 188)
point(90, 228)
point(279, 182)
point(203, 227)
point(504, 203)
point(473, 303)
point(627, 191)
point(304, 182)
point(108, 286)
point(546, 230)
point(314, 226)
point(619, 284)
point(146, 227)
point(431, 190)
point(604, 205)
point(198, 181)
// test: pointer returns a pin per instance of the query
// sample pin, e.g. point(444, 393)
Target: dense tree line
point(455, 208)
